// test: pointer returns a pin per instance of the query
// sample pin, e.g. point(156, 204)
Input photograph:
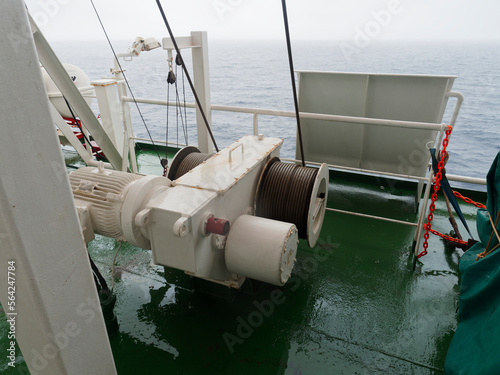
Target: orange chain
point(437, 186)
point(468, 200)
point(444, 236)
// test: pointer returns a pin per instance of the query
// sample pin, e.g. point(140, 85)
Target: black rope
point(97, 285)
point(176, 109)
point(125, 78)
point(166, 137)
point(98, 274)
point(185, 108)
point(179, 111)
point(292, 75)
point(187, 74)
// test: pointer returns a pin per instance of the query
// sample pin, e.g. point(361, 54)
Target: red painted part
point(217, 226)
point(71, 121)
point(76, 126)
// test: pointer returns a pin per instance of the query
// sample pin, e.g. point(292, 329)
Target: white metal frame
point(60, 327)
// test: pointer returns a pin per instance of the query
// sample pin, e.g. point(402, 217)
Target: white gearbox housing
point(223, 186)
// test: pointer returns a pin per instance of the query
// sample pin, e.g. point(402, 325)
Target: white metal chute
point(406, 98)
point(385, 122)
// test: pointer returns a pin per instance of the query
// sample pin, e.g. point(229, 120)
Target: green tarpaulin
point(475, 348)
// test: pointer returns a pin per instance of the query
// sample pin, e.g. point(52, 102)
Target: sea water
point(256, 74)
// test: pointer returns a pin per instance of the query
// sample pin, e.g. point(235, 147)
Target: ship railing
point(440, 128)
point(256, 112)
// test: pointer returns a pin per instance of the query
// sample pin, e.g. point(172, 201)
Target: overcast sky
point(262, 19)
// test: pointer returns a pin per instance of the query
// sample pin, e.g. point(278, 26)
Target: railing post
point(109, 107)
point(256, 124)
point(202, 84)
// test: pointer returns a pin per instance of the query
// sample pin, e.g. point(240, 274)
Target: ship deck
point(354, 304)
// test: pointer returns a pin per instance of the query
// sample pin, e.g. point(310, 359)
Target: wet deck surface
point(352, 306)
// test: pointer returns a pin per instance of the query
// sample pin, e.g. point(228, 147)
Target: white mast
point(59, 325)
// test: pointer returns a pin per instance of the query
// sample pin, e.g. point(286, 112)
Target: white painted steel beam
point(70, 136)
point(59, 325)
point(58, 74)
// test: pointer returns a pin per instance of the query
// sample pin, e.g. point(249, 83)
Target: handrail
point(334, 118)
point(304, 115)
point(460, 99)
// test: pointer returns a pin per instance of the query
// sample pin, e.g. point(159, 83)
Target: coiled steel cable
point(284, 193)
point(190, 162)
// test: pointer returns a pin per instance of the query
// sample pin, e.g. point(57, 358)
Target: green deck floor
point(352, 306)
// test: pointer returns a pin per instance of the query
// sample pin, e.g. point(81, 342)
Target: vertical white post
point(58, 321)
point(128, 130)
point(109, 107)
point(255, 124)
point(201, 80)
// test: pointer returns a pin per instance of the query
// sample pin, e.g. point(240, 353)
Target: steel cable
point(285, 192)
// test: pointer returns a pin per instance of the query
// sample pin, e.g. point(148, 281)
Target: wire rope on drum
point(190, 162)
point(185, 160)
point(284, 193)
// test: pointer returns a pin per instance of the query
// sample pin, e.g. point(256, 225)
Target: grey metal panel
point(384, 96)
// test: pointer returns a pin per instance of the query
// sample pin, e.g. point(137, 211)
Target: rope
point(96, 153)
point(494, 225)
point(98, 274)
point(190, 162)
point(185, 107)
point(486, 251)
point(437, 185)
point(284, 193)
point(125, 78)
point(458, 241)
point(195, 94)
point(179, 106)
point(165, 161)
point(292, 75)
